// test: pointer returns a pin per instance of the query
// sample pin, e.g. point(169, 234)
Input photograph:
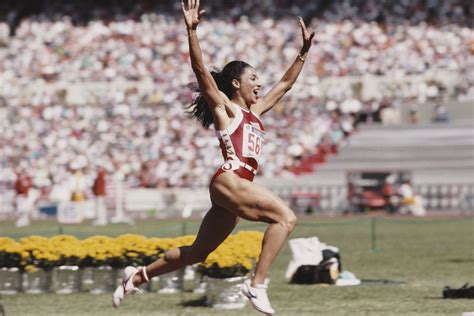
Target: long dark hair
point(198, 108)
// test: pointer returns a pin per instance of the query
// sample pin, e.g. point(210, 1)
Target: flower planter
point(10, 280)
point(189, 278)
point(199, 282)
point(66, 279)
point(98, 280)
point(225, 293)
point(200, 286)
point(171, 283)
point(153, 285)
point(37, 282)
point(39, 251)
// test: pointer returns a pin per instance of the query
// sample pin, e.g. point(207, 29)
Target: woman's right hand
point(192, 16)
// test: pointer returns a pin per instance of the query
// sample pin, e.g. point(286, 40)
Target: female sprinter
point(230, 100)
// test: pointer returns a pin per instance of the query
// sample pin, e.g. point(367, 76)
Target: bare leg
point(273, 239)
point(255, 203)
point(215, 228)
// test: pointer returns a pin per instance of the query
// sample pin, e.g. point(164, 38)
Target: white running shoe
point(126, 287)
point(258, 297)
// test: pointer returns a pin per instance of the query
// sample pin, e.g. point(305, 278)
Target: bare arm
point(207, 84)
point(289, 78)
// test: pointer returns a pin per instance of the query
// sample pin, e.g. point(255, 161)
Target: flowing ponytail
point(198, 108)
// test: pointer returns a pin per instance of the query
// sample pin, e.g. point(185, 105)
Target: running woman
point(231, 100)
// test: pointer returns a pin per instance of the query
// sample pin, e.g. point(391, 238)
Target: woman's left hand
point(307, 35)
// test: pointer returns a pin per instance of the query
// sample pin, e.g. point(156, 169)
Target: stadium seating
point(82, 84)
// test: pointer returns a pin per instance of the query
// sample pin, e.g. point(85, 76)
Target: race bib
point(252, 141)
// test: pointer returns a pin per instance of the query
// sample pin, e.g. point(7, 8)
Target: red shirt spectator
point(388, 190)
point(23, 183)
point(99, 187)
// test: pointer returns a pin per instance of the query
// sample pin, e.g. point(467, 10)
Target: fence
point(309, 198)
point(447, 196)
point(333, 199)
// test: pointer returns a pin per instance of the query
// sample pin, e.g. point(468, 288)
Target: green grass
point(426, 254)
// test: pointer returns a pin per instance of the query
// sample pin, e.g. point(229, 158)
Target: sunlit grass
point(425, 254)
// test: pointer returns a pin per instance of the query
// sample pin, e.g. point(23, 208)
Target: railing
point(314, 199)
point(447, 196)
point(333, 199)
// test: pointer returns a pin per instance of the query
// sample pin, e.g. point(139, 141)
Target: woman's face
point(250, 86)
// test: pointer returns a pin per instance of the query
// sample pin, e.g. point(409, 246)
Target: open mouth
point(256, 92)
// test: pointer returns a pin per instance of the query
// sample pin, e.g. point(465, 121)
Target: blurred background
point(92, 93)
point(95, 144)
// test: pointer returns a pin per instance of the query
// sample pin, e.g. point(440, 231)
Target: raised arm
point(207, 84)
point(289, 78)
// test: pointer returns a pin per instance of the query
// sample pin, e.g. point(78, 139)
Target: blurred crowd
point(153, 45)
point(147, 137)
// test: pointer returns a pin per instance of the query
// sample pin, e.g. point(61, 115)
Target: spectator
point(100, 191)
point(411, 203)
point(77, 183)
point(24, 197)
point(440, 114)
point(390, 194)
point(390, 115)
point(414, 117)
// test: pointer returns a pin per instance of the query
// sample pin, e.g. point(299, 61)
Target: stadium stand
point(103, 81)
point(439, 158)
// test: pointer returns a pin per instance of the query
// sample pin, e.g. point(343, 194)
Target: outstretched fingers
point(304, 30)
point(307, 36)
point(193, 4)
point(302, 25)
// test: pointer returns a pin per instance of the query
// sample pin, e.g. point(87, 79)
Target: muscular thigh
point(216, 226)
point(247, 199)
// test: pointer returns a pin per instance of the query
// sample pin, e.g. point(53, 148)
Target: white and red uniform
point(241, 144)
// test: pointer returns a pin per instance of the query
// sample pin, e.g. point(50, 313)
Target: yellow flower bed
point(235, 256)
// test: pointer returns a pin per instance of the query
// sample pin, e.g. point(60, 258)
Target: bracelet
point(301, 58)
point(191, 35)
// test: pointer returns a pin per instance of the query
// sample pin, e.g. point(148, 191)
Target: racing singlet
point(241, 144)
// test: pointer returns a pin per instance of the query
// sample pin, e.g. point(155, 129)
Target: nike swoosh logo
point(252, 294)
